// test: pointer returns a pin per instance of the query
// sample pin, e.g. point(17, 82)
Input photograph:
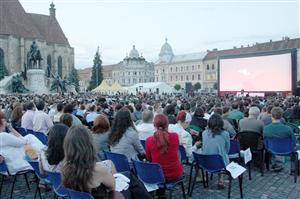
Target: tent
point(151, 87)
point(116, 88)
point(103, 87)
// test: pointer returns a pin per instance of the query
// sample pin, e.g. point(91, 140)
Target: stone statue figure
point(58, 84)
point(34, 56)
point(17, 86)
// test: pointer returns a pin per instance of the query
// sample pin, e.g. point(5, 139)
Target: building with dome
point(132, 70)
point(18, 31)
point(179, 69)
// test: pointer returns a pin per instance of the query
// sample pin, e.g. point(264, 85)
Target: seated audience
point(90, 118)
point(27, 118)
point(59, 108)
point(252, 123)
point(235, 113)
point(69, 108)
point(100, 131)
point(227, 125)
point(169, 111)
point(146, 128)
point(41, 120)
point(66, 119)
point(137, 114)
point(16, 117)
point(198, 119)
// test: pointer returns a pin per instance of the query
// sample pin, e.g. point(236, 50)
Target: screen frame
point(293, 52)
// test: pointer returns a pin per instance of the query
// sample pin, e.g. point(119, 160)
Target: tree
point(298, 83)
point(177, 87)
point(216, 86)
point(73, 78)
point(3, 70)
point(197, 86)
point(97, 75)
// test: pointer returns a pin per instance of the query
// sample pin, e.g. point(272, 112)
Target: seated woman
point(162, 148)
point(50, 158)
point(66, 119)
point(82, 172)
point(124, 138)
point(216, 141)
point(12, 147)
point(100, 131)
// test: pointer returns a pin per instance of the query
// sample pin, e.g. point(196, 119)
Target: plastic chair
point(55, 179)
point(120, 161)
point(234, 150)
point(143, 142)
point(249, 139)
point(41, 136)
point(72, 194)
point(212, 164)
point(152, 173)
point(185, 160)
point(4, 172)
point(282, 147)
point(38, 176)
point(22, 131)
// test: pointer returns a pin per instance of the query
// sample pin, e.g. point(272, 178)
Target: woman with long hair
point(100, 131)
point(123, 138)
point(162, 148)
point(216, 141)
point(16, 117)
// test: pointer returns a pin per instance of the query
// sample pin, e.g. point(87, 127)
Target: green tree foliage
point(216, 86)
point(177, 87)
point(73, 78)
point(197, 86)
point(97, 75)
point(3, 70)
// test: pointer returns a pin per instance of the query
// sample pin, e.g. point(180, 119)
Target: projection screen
point(256, 74)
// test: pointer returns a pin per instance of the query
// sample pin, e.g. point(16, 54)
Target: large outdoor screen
point(260, 73)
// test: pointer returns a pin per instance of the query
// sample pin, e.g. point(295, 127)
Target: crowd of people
point(81, 128)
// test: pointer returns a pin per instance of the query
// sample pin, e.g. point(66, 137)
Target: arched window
point(213, 67)
point(207, 67)
point(59, 67)
point(49, 66)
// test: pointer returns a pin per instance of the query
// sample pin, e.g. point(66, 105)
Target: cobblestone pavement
point(270, 186)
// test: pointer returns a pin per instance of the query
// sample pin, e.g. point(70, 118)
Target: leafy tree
point(298, 83)
point(177, 87)
point(97, 75)
point(73, 78)
point(216, 86)
point(3, 70)
point(197, 86)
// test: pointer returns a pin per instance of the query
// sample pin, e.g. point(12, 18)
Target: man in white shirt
point(41, 121)
point(27, 118)
point(92, 115)
point(146, 128)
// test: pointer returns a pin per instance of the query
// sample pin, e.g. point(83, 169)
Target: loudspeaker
point(188, 87)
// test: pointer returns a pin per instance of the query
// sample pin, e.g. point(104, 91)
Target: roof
point(188, 57)
point(15, 21)
point(149, 84)
point(108, 68)
point(85, 74)
point(285, 43)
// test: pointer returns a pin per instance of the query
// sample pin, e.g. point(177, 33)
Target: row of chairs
point(41, 136)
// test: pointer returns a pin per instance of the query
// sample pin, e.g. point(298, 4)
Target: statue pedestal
point(36, 81)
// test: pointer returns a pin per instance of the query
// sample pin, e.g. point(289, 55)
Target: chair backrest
point(279, 146)
point(183, 156)
point(149, 172)
point(35, 165)
point(55, 179)
point(143, 142)
point(3, 168)
point(22, 131)
point(210, 163)
point(234, 147)
point(41, 136)
point(249, 139)
point(72, 194)
point(120, 161)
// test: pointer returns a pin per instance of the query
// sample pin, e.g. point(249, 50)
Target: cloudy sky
point(189, 25)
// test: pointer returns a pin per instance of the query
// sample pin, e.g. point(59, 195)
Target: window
point(176, 68)
point(192, 77)
point(198, 67)
point(176, 78)
point(207, 67)
point(134, 73)
point(181, 68)
point(181, 78)
point(163, 70)
point(171, 78)
point(193, 67)
point(187, 77)
point(213, 67)
point(171, 69)
point(199, 77)
point(187, 68)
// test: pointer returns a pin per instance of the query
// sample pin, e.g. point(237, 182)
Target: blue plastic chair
point(185, 160)
point(4, 172)
point(282, 147)
point(143, 142)
point(152, 173)
point(22, 131)
point(234, 150)
point(55, 179)
point(35, 165)
point(120, 161)
point(72, 194)
point(212, 164)
point(41, 136)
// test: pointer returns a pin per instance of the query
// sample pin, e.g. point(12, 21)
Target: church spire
point(52, 10)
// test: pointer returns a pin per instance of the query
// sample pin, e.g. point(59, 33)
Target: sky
point(190, 25)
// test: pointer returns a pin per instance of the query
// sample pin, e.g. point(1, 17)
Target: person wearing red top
point(162, 148)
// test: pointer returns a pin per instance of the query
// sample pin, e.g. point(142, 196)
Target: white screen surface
point(261, 73)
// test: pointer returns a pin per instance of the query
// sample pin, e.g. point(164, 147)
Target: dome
point(134, 53)
point(166, 49)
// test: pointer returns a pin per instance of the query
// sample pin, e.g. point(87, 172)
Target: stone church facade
point(19, 29)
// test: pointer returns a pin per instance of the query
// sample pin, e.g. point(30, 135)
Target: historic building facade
point(18, 30)
point(179, 69)
point(132, 70)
